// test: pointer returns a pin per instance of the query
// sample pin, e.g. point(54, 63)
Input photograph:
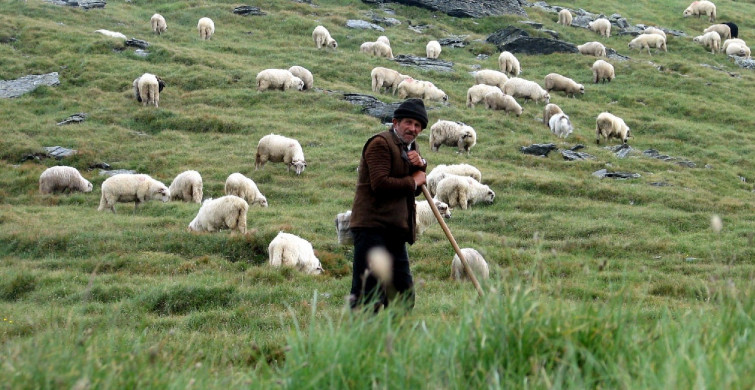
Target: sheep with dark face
point(322, 38)
point(147, 88)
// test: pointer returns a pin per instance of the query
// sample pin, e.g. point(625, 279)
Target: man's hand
point(419, 178)
point(415, 159)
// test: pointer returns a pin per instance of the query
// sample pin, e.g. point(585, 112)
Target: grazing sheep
point(127, 187)
point(738, 49)
point(293, 251)
point(187, 186)
point(723, 30)
point(710, 40)
point(433, 49)
point(557, 82)
point(526, 89)
point(646, 41)
point(322, 38)
point(226, 212)
point(425, 217)
point(476, 93)
point(654, 30)
point(380, 49)
point(111, 34)
point(601, 26)
point(496, 100)
point(206, 28)
point(277, 148)
point(304, 74)
point(461, 191)
point(441, 171)
point(509, 64)
point(593, 48)
point(550, 110)
point(158, 24)
point(728, 42)
point(383, 39)
point(366, 47)
point(733, 28)
point(281, 79)
point(138, 95)
point(610, 126)
point(560, 125)
point(476, 262)
point(343, 228)
point(699, 8)
point(62, 178)
point(245, 188)
point(564, 17)
point(490, 77)
point(602, 71)
point(147, 88)
point(411, 88)
point(386, 78)
point(452, 134)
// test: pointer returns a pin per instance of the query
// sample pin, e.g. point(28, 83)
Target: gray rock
point(534, 45)
point(482, 57)
point(364, 25)
point(534, 25)
point(622, 150)
point(420, 28)
point(603, 173)
point(506, 35)
point(454, 41)
point(246, 10)
point(657, 155)
point(372, 106)
point(102, 165)
point(538, 149)
point(464, 8)
point(85, 4)
point(386, 21)
point(571, 155)
point(116, 172)
point(137, 43)
point(75, 118)
point(660, 184)
point(58, 152)
point(747, 63)
point(552, 33)
point(424, 63)
point(26, 84)
point(141, 53)
point(612, 54)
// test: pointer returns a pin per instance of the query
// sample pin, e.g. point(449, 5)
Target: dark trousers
point(365, 288)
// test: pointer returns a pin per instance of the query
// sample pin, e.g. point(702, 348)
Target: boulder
point(615, 175)
point(246, 10)
point(454, 41)
point(372, 106)
point(386, 21)
point(572, 154)
point(85, 4)
point(538, 149)
point(424, 63)
point(364, 25)
point(75, 118)
point(133, 42)
point(464, 8)
point(26, 84)
point(534, 45)
point(506, 35)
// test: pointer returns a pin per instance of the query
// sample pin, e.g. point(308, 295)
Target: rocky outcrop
point(372, 106)
point(26, 84)
point(615, 175)
point(517, 40)
point(246, 10)
point(538, 149)
point(75, 118)
point(424, 63)
point(85, 4)
point(363, 25)
point(464, 8)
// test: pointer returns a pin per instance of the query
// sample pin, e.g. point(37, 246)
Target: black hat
point(414, 109)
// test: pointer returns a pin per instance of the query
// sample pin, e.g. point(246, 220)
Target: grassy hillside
point(596, 282)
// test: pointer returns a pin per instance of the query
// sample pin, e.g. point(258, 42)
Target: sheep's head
point(698, 38)
point(89, 186)
point(489, 196)
point(687, 12)
point(443, 209)
point(163, 193)
point(547, 98)
point(299, 166)
point(332, 43)
point(260, 200)
point(581, 89)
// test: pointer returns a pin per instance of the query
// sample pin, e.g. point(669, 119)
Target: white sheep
point(738, 49)
point(476, 262)
point(304, 74)
point(601, 26)
point(187, 186)
point(610, 126)
point(386, 78)
point(158, 24)
point(509, 64)
point(565, 17)
point(147, 88)
point(593, 48)
point(710, 40)
point(62, 178)
point(380, 49)
point(462, 191)
point(411, 88)
point(654, 30)
point(557, 82)
point(322, 38)
point(425, 217)
point(646, 41)
point(728, 42)
point(226, 212)
point(366, 47)
point(127, 187)
point(245, 188)
point(550, 110)
point(560, 125)
point(521, 88)
point(476, 93)
point(441, 171)
point(490, 77)
point(699, 8)
point(383, 39)
point(289, 250)
point(496, 100)
point(277, 148)
point(281, 79)
point(206, 28)
point(433, 49)
point(602, 71)
point(111, 34)
point(452, 134)
point(343, 228)
point(723, 30)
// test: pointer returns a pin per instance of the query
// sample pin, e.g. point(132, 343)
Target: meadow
point(596, 283)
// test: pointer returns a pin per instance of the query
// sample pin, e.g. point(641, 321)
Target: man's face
point(407, 128)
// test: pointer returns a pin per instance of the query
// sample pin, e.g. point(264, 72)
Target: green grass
point(596, 283)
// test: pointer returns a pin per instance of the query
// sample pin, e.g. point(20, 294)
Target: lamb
point(433, 49)
point(496, 100)
point(293, 251)
point(509, 64)
point(158, 24)
point(490, 77)
point(111, 34)
point(710, 39)
point(733, 28)
point(281, 79)
point(425, 216)
point(738, 49)
point(245, 188)
point(728, 42)
point(277, 148)
point(380, 49)
point(564, 17)
point(460, 191)
point(452, 134)
point(322, 38)
point(304, 74)
point(476, 93)
point(550, 110)
point(62, 178)
point(226, 212)
point(386, 78)
point(646, 41)
point(723, 30)
point(592, 49)
point(441, 171)
point(206, 28)
point(557, 82)
point(526, 89)
point(602, 71)
point(187, 186)
point(560, 125)
point(699, 8)
point(147, 88)
point(476, 262)
point(610, 126)
point(654, 30)
point(366, 47)
point(383, 39)
point(411, 88)
point(601, 26)
point(127, 187)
